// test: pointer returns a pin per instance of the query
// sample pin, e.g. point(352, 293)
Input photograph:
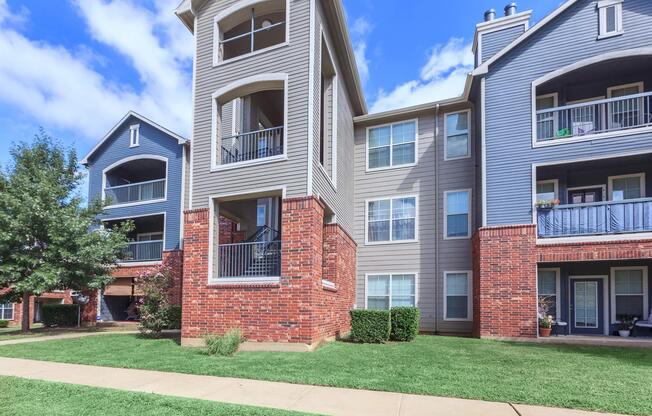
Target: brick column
point(174, 260)
point(505, 281)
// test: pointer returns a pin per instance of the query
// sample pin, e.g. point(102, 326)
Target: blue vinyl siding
point(570, 37)
point(493, 42)
point(152, 142)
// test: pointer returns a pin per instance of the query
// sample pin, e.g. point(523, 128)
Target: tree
point(48, 239)
point(156, 311)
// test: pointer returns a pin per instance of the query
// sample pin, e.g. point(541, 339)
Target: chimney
point(510, 9)
point(489, 15)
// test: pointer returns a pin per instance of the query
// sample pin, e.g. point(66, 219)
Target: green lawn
point(37, 330)
point(21, 397)
point(595, 378)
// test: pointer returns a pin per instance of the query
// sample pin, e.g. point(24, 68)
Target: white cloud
point(359, 32)
point(59, 88)
point(442, 76)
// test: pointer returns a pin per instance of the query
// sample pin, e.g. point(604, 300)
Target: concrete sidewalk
point(310, 399)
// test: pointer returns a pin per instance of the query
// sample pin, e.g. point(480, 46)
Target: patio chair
point(132, 312)
point(639, 323)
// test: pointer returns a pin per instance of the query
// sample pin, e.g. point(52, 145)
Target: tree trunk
point(24, 326)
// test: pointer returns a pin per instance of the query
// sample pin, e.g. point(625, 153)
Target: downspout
point(437, 217)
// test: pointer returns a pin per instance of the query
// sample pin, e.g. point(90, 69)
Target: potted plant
point(626, 325)
point(545, 319)
point(546, 203)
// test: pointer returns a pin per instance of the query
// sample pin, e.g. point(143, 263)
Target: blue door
point(586, 306)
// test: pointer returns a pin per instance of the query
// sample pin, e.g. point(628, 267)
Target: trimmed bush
point(225, 345)
point(405, 323)
point(370, 326)
point(174, 317)
point(4, 324)
point(59, 315)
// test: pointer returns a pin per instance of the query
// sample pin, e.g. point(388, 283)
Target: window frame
point(391, 145)
point(134, 135)
point(391, 209)
point(610, 180)
point(612, 284)
point(3, 310)
point(602, 7)
point(334, 106)
point(391, 275)
point(555, 183)
point(469, 214)
point(640, 85)
point(468, 135)
point(557, 271)
point(469, 296)
point(555, 119)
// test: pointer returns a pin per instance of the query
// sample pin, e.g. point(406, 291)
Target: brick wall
point(228, 231)
point(594, 251)
point(18, 307)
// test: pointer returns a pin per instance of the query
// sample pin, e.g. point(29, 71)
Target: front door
point(586, 306)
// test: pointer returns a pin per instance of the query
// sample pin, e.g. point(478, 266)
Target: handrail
point(602, 203)
point(135, 183)
point(247, 133)
point(251, 145)
point(596, 102)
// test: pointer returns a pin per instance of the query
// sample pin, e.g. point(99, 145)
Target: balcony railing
point(253, 259)
point(611, 217)
point(144, 251)
point(136, 192)
point(252, 145)
point(594, 117)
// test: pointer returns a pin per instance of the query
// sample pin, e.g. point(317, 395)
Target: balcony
point(250, 259)
point(146, 240)
point(252, 145)
point(138, 251)
point(595, 117)
point(136, 181)
point(136, 192)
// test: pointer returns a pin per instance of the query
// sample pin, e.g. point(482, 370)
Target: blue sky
point(75, 67)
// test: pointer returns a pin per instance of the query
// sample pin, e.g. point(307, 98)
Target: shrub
point(4, 324)
point(370, 325)
point(156, 312)
point(225, 345)
point(405, 323)
point(59, 315)
point(174, 317)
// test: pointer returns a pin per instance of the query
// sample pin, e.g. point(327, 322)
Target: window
point(629, 292)
point(134, 135)
point(391, 145)
point(388, 290)
point(391, 219)
point(457, 219)
point(626, 187)
point(157, 236)
point(547, 190)
point(457, 290)
point(548, 288)
point(546, 121)
point(328, 112)
point(457, 144)
point(6, 311)
point(610, 15)
point(626, 112)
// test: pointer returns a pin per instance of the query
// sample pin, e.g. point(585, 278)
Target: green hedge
point(405, 323)
point(370, 325)
point(4, 324)
point(59, 315)
point(174, 317)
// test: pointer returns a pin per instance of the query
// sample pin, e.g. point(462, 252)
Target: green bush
point(59, 315)
point(4, 324)
point(405, 323)
point(174, 317)
point(225, 345)
point(370, 325)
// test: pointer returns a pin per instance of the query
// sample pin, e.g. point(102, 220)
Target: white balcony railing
point(594, 117)
point(252, 145)
point(143, 251)
point(250, 259)
point(136, 192)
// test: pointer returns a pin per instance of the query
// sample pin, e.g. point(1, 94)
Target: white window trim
point(470, 213)
point(468, 135)
point(129, 159)
point(646, 306)
point(391, 274)
point(602, 7)
point(640, 85)
point(391, 145)
point(391, 208)
point(640, 175)
point(555, 183)
point(134, 135)
point(236, 8)
point(557, 271)
point(138, 235)
point(333, 177)
point(469, 296)
point(13, 311)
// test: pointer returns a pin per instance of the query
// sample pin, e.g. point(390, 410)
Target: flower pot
point(623, 332)
point(544, 332)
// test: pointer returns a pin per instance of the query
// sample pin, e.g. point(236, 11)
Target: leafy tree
point(48, 239)
point(156, 310)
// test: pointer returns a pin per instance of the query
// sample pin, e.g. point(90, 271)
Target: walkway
point(310, 399)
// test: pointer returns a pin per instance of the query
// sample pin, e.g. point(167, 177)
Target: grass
point(13, 332)
point(21, 397)
point(593, 378)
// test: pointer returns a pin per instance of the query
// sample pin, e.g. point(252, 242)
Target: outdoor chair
point(639, 323)
point(555, 327)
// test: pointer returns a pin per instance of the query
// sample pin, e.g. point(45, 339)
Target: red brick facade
point(297, 309)
point(18, 307)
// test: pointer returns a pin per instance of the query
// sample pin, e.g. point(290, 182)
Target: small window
point(457, 296)
point(457, 219)
point(385, 291)
point(6, 311)
point(547, 190)
point(457, 141)
point(328, 112)
point(626, 187)
point(391, 220)
point(610, 14)
point(548, 285)
point(629, 292)
point(392, 145)
point(134, 135)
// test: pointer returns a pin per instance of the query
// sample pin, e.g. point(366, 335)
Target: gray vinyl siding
point(431, 255)
point(292, 59)
point(493, 42)
point(152, 142)
point(340, 198)
point(569, 38)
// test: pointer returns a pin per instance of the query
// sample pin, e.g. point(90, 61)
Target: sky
point(75, 67)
